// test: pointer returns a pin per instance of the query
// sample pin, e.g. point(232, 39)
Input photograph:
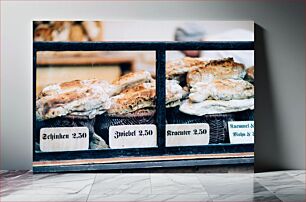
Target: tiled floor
point(271, 186)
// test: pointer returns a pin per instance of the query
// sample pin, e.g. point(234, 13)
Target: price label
point(64, 139)
point(187, 134)
point(241, 132)
point(132, 136)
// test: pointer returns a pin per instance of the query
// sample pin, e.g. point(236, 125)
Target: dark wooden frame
point(160, 48)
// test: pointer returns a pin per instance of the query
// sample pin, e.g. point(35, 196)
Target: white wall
point(163, 30)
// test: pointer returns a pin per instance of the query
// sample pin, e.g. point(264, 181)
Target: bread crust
point(222, 89)
point(216, 106)
point(177, 68)
point(216, 69)
point(134, 98)
point(132, 79)
point(143, 95)
point(250, 74)
point(86, 97)
point(94, 30)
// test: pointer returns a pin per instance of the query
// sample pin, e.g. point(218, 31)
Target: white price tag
point(64, 139)
point(132, 136)
point(187, 134)
point(241, 132)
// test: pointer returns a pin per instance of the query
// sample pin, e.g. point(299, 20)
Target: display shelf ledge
point(144, 162)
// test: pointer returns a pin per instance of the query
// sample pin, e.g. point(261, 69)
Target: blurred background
point(54, 67)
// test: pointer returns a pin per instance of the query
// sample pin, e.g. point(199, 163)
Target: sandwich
point(216, 93)
point(135, 103)
point(81, 98)
point(216, 69)
point(72, 104)
point(177, 69)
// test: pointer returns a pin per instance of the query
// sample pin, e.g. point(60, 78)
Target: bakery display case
point(184, 113)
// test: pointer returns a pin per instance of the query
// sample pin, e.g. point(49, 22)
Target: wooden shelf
point(145, 162)
point(67, 59)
